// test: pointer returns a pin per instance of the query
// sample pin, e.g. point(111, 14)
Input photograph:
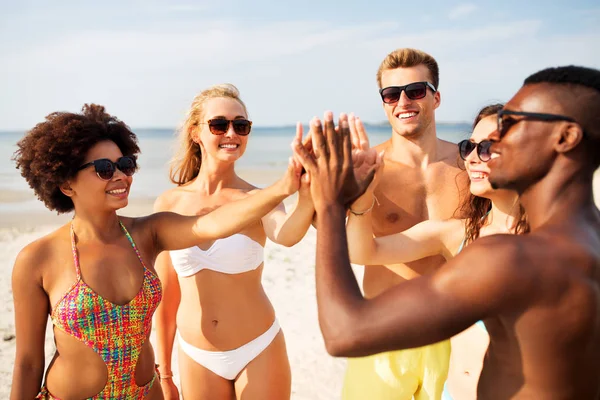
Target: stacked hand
point(363, 156)
point(337, 174)
point(294, 179)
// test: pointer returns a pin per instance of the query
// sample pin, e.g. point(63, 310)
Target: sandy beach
point(288, 280)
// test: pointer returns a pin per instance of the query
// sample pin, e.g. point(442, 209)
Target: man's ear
point(66, 189)
point(570, 136)
point(437, 99)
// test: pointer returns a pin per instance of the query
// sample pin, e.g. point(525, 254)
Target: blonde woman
point(229, 339)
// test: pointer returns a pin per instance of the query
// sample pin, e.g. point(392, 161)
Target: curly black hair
point(50, 153)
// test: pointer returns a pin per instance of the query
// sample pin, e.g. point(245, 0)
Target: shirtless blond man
point(420, 180)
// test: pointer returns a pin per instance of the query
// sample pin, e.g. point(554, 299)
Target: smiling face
point(230, 146)
point(410, 117)
point(478, 170)
point(525, 153)
point(89, 191)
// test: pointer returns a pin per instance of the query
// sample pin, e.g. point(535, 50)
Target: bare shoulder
point(508, 250)
point(245, 189)
point(499, 267)
point(35, 258)
point(167, 199)
point(384, 147)
point(448, 153)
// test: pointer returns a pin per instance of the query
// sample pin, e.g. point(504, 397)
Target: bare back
point(407, 196)
point(549, 346)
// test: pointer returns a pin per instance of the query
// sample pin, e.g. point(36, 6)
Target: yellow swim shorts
point(399, 375)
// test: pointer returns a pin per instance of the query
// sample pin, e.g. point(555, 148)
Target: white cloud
point(286, 71)
point(462, 10)
point(188, 7)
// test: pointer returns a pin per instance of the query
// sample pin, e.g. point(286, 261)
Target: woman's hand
point(170, 391)
point(330, 165)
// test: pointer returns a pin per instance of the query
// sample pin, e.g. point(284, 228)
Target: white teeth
point(478, 175)
point(117, 191)
point(228, 146)
point(406, 115)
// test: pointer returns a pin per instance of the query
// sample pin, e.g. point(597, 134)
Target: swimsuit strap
point(462, 245)
point(76, 256)
point(131, 241)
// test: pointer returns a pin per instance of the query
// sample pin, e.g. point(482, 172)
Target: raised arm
point(418, 312)
point(31, 315)
point(289, 228)
point(173, 231)
point(421, 311)
point(425, 239)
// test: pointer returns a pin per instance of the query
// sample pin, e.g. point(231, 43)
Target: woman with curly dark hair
point(95, 275)
point(487, 212)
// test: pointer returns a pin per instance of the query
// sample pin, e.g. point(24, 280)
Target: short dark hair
point(579, 97)
point(51, 153)
point(571, 74)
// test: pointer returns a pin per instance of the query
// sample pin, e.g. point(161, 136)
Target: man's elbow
point(338, 348)
point(340, 342)
point(348, 345)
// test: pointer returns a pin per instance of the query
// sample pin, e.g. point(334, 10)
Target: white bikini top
point(232, 255)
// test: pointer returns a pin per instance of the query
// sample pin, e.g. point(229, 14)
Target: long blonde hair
point(185, 165)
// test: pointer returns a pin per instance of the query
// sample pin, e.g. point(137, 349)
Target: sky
point(146, 60)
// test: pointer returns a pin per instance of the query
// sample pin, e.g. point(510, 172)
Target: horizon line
point(166, 128)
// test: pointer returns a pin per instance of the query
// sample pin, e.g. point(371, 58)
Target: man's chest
point(407, 197)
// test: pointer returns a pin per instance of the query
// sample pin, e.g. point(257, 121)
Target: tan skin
point(538, 294)
point(44, 271)
point(434, 237)
point(420, 180)
point(217, 311)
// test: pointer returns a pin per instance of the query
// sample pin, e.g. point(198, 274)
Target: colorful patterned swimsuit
point(115, 332)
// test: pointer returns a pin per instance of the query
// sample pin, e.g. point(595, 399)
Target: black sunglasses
point(504, 124)
point(414, 91)
point(220, 126)
point(465, 147)
point(105, 168)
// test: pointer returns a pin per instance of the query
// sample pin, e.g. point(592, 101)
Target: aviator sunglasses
point(414, 91)
point(465, 147)
point(220, 126)
point(105, 168)
point(504, 123)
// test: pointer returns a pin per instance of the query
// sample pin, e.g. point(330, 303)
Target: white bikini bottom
point(229, 364)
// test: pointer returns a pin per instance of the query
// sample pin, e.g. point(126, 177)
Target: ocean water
point(268, 150)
